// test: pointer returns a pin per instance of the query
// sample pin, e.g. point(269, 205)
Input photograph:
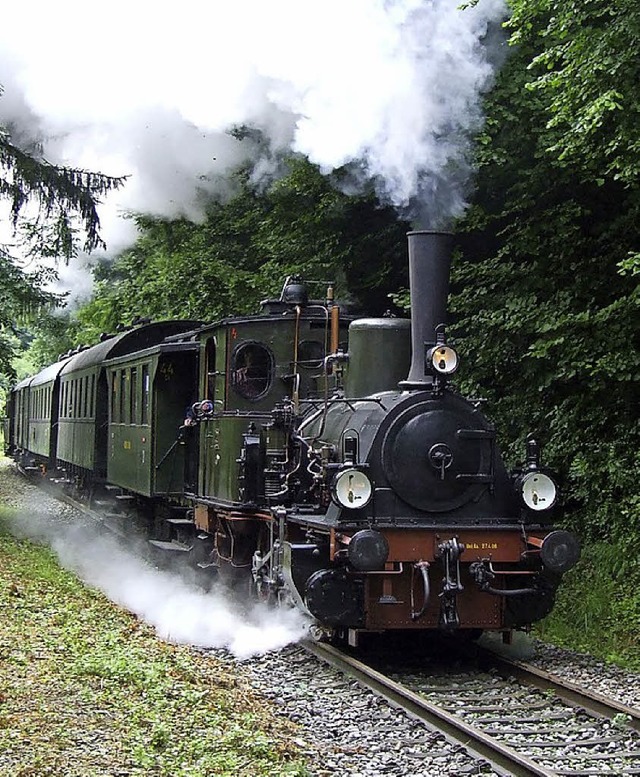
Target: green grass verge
point(87, 689)
point(598, 607)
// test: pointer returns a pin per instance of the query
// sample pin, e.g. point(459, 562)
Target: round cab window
point(251, 370)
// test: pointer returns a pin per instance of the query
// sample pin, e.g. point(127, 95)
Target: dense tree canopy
point(585, 63)
point(548, 286)
point(52, 211)
point(245, 249)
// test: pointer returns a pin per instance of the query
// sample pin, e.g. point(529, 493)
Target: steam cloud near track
point(179, 610)
point(392, 87)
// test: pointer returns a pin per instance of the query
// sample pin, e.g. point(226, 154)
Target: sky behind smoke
point(149, 90)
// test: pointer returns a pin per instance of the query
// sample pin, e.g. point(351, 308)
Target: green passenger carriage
point(149, 393)
point(84, 398)
point(44, 397)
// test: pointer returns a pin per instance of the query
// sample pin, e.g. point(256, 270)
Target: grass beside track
point(87, 689)
point(598, 607)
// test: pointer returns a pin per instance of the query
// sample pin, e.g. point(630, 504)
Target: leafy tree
point(245, 248)
point(547, 287)
point(588, 71)
point(50, 207)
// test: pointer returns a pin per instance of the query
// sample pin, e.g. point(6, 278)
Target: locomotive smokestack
point(429, 266)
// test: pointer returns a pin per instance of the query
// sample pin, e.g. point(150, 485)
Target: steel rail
point(502, 759)
point(575, 695)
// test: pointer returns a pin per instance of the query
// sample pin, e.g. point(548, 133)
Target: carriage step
point(102, 503)
point(125, 497)
point(113, 521)
point(179, 521)
point(173, 546)
point(31, 469)
point(111, 487)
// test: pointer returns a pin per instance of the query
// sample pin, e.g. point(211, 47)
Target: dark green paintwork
point(221, 438)
point(148, 458)
point(82, 441)
point(379, 355)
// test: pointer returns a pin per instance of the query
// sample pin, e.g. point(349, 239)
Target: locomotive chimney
point(429, 265)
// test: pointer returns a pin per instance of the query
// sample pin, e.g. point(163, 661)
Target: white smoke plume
point(177, 608)
point(391, 87)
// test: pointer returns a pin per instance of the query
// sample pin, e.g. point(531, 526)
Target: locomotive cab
point(257, 373)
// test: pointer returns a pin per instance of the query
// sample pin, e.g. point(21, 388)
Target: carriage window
point(133, 396)
point(210, 366)
point(145, 394)
point(92, 386)
point(114, 398)
point(252, 368)
point(122, 389)
point(85, 396)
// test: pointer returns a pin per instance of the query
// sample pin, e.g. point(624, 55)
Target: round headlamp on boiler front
point(351, 489)
point(537, 491)
point(443, 359)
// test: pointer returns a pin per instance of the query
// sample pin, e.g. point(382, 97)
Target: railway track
point(515, 718)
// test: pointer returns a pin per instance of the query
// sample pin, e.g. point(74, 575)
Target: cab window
point(252, 369)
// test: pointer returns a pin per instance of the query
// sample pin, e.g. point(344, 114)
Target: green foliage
point(246, 247)
point(20, 297)
point(86, 688)
point(546, 289)
point(585, 65)
point(51, 207)
point(60, 195)
point(607, 621)
point(52, 334)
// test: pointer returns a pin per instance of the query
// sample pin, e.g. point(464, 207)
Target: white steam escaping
point(179, 611)
point(150, 91)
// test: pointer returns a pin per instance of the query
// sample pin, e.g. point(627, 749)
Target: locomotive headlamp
point(538, 491)
point(560, 551)
point(368, 550)
point(443, 359)
point(352, 489)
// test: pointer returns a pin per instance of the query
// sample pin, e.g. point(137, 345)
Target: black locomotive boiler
point(323, 461)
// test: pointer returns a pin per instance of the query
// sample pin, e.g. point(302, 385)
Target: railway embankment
point(86, 688)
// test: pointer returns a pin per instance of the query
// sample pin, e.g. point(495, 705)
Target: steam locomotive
point(318, 459)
